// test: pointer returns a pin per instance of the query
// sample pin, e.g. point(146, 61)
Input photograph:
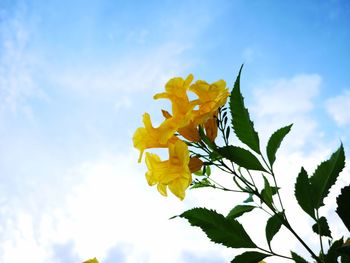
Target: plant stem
point(274, 254)
point(302, 242)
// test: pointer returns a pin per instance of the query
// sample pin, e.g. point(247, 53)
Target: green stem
point(286, 223)
point(273, 253)
point(288, 226)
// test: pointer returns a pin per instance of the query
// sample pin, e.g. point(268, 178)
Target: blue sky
point(76, 77)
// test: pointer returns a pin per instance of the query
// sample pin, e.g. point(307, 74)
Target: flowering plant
point(189, 133)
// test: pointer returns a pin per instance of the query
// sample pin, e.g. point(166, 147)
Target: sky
point(75, 79)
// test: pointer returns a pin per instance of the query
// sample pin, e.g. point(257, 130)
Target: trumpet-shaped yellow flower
point(176, 91)
point(173, 173)
point(211, 127)
point(211, 97)
point(150, 137)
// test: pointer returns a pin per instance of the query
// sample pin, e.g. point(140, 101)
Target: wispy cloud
point(17, 64)
point(284, 101)
point(338, 106)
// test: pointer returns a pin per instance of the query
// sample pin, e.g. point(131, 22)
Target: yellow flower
point(150, 137)
point(190, 131)
point(211, 127)
point(94, 260)
point(173, 173)
point(211, 97)
point(176, 91)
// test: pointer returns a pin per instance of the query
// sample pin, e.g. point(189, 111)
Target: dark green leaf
point(333, 254)
point(297, 258)
point(345, 259)
point(326, 175)
point(239, 210)
point(322, 225)
point(249, 199)
point(219, 229)
point(227, 133)
point(241, 123)
point(303, 193)
point(343, 209)
point(241, 157)
point(214, 156)
point(345, 248)
point(275, 142)
point(250, 257)
point(273, 225)
point(267, 193)
point(344, 251)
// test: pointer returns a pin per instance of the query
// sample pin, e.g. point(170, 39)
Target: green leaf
point(343, 209)
point(333, 254)
point(326, 175)
point(344, 251)
point(275, 142)
point(201, 184)
point(239, 210)
point(273, 225)
point(297, 258)
point(219, 229)
point(241, 123)
point(303, 193)
point(267, 193)
point(250, 257)
point(345, 248)
point(324, 228)
point(241, 157)
point(249, 199)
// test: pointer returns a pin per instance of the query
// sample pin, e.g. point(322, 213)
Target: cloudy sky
point(76, 77)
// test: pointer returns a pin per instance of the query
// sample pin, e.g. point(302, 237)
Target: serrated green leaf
point(297, 258)
point(218, 228)
point(333, 254)
point(241, 123)
point(241, 157)
point(275, 142)
point(239, 210)
point(273, 225)
point(250, 257)
point(343, 209)
point(324, 228)
point(303, 194)
point(326, 175)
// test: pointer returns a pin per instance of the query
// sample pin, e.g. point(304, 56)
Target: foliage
point(198, 129)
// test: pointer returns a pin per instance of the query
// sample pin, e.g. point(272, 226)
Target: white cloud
point(287, 96)
point(111, 206)
point(284, 101)
point(338, 106)
point(131, 73)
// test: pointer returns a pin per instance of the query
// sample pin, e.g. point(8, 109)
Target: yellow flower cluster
point(185, 117)
point(93, 260)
